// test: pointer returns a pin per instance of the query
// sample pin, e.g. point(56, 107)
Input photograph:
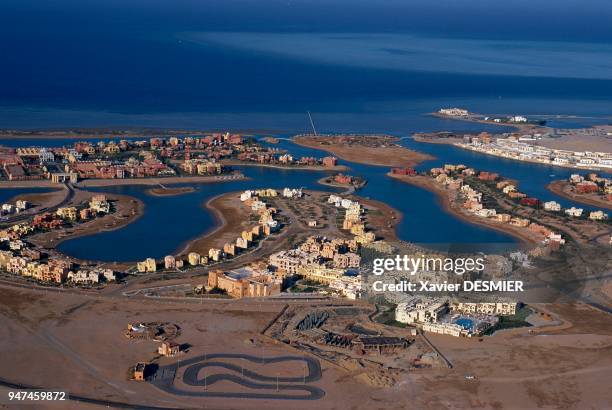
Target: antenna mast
point(312, 124)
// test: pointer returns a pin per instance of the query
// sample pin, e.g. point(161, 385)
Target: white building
point(348, 286)
point(21, 205)
point(454, 112)
point(45, 155)
point(420, 310)
point(246, 195)
point(292, 193)
point(518, 118)
point(598, 215)
point(451, 329)
point(552, 206)
point(575, 212)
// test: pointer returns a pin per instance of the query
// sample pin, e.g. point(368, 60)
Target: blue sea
point(358, 66)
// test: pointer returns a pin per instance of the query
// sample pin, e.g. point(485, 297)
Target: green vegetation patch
point(519, 319)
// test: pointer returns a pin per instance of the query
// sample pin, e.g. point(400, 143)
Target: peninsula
point(382, 150)
point(488, 199)
point(590, 190)
point(580, 148)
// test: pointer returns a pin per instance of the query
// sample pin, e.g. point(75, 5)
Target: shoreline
point(176, 191)
point(462, 146)
point(387, 212)
point(223, 205)
point(442, 197)
point(437, 140)
point(519, 127)
point(96, 183)
point(559, 187)
point(91, 183)
point(237, 163)
point(52, 239)
point(349, 188)
point(38, 201)
point(36, 183)
point(395, 156)
point(91, 133)
point(220, 222)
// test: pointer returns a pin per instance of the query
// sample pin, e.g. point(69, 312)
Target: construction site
point(346, 337)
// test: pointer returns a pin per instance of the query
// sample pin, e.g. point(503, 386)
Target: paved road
point(164, 378)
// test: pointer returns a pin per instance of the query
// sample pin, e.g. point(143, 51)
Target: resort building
point(245, 283)
point(454, 112)
point(493, 308)
point(99, 204)
point(420, 310)
point(229, 249)
point(347, 260)
point(347, 286)
point(63, 177)
point(321, 273)
point(195, 259)
point(148, 265)
point(451, 329)
point(290, 261)
point(552, 206)
point(598, 215)
point(69, 213)
point(215, 254)
point(575, 212)
point(170, 262)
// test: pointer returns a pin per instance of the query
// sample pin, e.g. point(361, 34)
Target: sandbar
point(381, 150)
point(173, 191)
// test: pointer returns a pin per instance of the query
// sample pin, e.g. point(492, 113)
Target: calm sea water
point(243, 64)
point(358, 66)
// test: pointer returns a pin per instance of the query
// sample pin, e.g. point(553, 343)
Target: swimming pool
point(467, 324)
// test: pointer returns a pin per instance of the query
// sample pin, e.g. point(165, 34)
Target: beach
point(231, 218)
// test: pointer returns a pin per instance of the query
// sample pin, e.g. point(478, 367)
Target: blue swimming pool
point(466, 323)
